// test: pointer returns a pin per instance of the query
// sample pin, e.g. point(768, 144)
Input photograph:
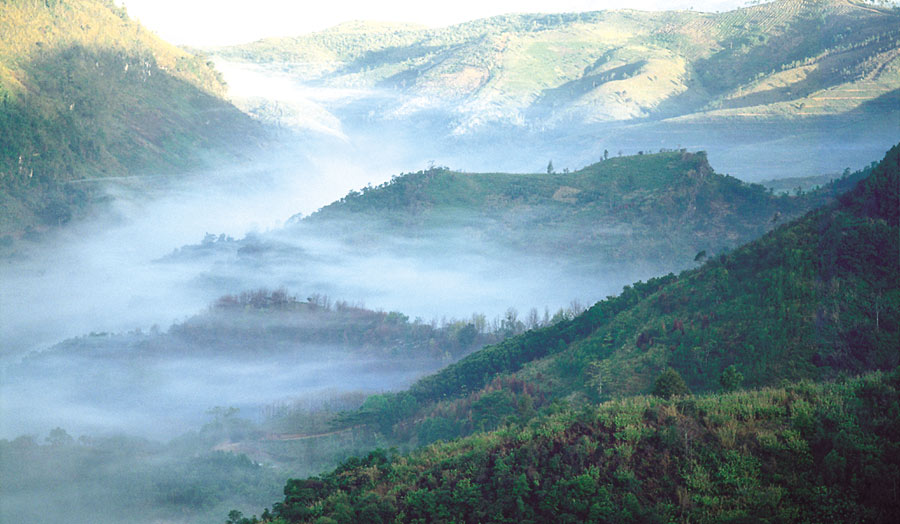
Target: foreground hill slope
point(804, 453)
point(87, 92)
point(788, 59)
point(815, 299)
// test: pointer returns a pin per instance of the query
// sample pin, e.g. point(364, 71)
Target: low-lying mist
point(115, 324)
point(100, 275)
point(750, 149)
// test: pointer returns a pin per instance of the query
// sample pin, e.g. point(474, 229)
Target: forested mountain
point(790, 60)
point(815, 299)
point(85, 92)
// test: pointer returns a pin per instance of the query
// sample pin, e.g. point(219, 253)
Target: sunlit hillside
point(785, 59)
point(87, 92)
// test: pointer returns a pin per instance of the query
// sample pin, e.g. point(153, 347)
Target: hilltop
point(788, 60)
point(85, 92)
point(666, 206)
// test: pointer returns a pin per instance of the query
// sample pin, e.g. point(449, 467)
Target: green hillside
point(86, 92)
point(664, 207)
point(813, 299)
point(803, 453)
point(788, 59)
point(817, 299)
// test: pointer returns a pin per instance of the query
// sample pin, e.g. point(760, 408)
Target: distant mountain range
point(85, 92)
point(788, 60)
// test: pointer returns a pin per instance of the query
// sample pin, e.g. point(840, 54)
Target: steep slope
point(789, 59)
point(86, 92)
point(804, 453)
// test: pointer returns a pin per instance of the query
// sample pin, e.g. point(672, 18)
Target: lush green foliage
point(86, 92)
point(805, 453)
point(811, 299)
point(670, 384)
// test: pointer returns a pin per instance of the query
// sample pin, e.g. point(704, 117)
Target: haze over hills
point(153, 317)
point(302, 349)
point(504, 240)
point(767, 308)
point(786, 59)
point(813, 300)
point(517, 248)
point(87, 93)
point(570, 85)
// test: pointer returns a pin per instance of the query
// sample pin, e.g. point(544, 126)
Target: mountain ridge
point(789, 59)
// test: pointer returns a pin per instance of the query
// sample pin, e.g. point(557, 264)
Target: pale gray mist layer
point(115, 273)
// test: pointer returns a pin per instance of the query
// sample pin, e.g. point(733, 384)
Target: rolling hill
point(666, 206)
point(85, 93)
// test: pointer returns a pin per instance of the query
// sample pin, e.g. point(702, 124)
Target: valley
point(609, 266)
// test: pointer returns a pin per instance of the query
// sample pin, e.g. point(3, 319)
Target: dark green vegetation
point(801, 453)
point(813, 300)
point(789, 59)
point(84, 93)
point(658, 209)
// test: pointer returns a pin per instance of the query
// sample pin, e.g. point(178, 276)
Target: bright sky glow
point(222, 22)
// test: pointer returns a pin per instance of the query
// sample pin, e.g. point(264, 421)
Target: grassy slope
point(784, 59)
point(665, 206)
point(823, 294)
point(86, 92)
